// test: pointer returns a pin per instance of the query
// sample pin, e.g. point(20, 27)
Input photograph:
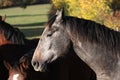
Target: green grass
point(30, 20)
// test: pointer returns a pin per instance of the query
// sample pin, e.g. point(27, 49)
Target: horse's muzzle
point(39, 66)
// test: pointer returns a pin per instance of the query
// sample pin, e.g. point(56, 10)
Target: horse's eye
point(49, 34)
point(55, 29)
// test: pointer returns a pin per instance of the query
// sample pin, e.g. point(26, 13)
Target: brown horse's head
point(22, 69)
point(15, 72)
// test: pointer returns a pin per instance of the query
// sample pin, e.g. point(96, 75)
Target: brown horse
point(95, 44)
point(11, 35)
point(8, 35)
point(69, 67)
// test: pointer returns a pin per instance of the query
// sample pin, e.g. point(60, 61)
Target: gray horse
point(95, 44)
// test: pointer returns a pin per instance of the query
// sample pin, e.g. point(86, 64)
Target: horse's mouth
point(40, 67)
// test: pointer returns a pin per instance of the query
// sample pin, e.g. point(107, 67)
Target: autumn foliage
point(101, 11)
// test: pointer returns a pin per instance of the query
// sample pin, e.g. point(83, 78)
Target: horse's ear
point(24, 62)
point(60, 14)
point(7, 65)
point(3, 18)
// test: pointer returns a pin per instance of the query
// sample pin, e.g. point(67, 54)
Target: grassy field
point(30, 20)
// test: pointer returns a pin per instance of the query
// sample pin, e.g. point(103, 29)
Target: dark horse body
point(95, 44)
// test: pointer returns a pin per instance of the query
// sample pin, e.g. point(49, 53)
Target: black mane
point(12, 34)
point(93, 32)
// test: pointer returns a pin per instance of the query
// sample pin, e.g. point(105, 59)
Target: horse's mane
point(91, 31)
point(12, 34)
point(51, 20)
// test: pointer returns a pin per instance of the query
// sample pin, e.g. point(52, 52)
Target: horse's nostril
point(35, 63)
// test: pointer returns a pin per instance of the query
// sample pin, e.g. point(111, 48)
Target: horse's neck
point(102, 60)
point(83, 51)
point(93, 55)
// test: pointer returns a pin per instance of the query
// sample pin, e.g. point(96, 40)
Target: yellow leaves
point(95, 10)
point(57, 3)
point(82, 8)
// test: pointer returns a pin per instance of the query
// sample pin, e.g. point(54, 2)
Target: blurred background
point(30, 16)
